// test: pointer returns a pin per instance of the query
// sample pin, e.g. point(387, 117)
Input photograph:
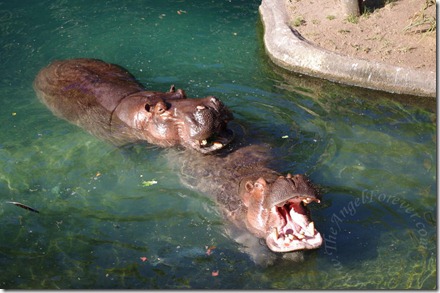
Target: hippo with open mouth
point(276, 210)
point(107, 101)
point(255, 198)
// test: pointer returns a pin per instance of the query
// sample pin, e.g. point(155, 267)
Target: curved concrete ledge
point(288, 49)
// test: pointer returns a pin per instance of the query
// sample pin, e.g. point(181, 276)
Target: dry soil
point(398, 32)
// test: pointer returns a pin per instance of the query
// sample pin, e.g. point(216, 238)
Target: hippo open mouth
point(295, 230)
point(206, 128)
point(214, 142)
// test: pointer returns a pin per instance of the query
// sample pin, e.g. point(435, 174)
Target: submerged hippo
point(255, 199)
point(107, 101)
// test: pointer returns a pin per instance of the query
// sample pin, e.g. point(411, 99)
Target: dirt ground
point(400, 32)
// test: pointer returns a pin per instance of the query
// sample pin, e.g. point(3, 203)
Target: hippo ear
point(249, 186)
point(181, 93)
point(246, 195)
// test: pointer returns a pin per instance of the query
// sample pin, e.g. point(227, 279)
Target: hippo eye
point(161, 107)
point(147, 107)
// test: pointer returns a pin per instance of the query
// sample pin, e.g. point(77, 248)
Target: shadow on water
point(325, 91)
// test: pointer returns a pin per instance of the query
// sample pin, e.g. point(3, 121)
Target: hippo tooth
point(300, 236)
point(199, 107)
point(291, 237)
point(217, 144)
point(275, 233)
point(311, 229)
point(307, 201)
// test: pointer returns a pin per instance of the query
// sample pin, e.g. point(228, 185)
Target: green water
point(373, 157)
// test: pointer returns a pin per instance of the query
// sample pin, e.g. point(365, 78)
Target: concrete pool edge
point(289, 50)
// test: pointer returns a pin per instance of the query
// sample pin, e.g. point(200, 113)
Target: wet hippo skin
point(254, 198)
point(107, 101)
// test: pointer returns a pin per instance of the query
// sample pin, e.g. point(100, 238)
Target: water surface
point(101, 226)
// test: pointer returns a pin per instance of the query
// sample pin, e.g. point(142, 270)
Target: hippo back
point(85, 92)
point(218, 176)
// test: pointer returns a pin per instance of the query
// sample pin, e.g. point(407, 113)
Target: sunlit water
point(102, 226)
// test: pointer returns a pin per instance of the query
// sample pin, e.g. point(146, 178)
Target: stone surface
point(288, 49)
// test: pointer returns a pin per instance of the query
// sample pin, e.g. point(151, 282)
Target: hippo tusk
point(307, 200)
point(310, 229)
point(217, 144)
point(275, 235)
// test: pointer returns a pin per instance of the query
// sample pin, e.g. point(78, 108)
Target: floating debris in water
point(23, 206)
point(143, 258)
point(285, 136)
point(148, 183)
point(209, 250)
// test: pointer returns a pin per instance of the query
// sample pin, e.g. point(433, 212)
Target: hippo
point(107, 101)
point(257, 200)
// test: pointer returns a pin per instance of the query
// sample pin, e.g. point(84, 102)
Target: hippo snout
point(296, 187)
point(212, 114)
point(289, 219)
point(204, 123)
point(277, 210)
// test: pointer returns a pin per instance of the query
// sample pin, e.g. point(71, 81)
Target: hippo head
point(277, 212)
point(171, 119)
